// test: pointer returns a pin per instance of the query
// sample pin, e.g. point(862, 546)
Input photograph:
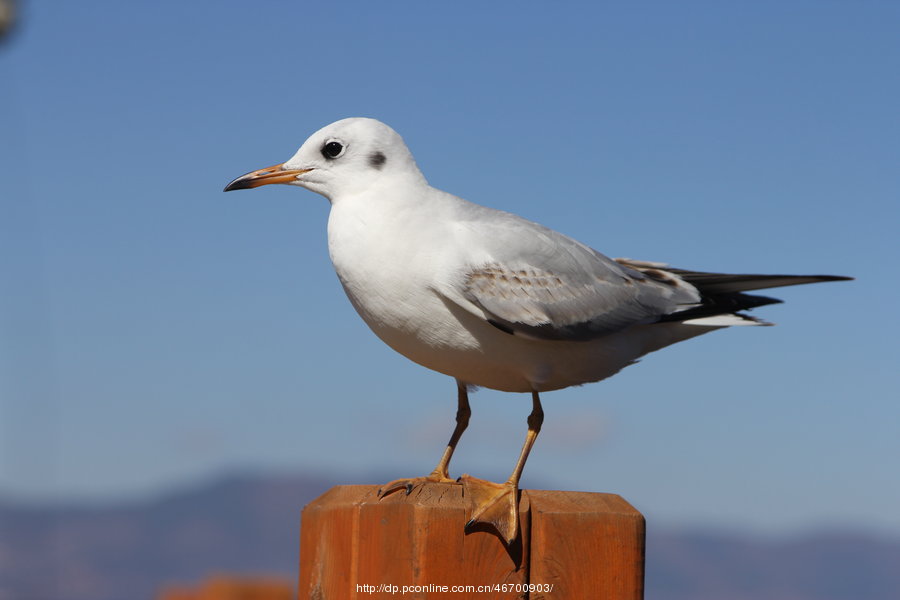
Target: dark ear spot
point(377, 160)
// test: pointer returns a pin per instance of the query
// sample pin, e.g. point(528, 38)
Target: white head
point(346, 157)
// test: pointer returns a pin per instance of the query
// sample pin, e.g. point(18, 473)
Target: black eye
point(332, 149)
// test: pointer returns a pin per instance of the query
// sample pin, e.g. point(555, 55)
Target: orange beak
point(274, 174)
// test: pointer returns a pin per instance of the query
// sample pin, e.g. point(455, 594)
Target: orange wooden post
point(572, 545)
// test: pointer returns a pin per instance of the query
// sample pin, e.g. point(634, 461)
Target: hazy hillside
point(250, 525)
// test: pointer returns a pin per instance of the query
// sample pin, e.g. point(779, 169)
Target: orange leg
point(497, 504)
point(441, 471)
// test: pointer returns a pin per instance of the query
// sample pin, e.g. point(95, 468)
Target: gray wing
point(541, 284)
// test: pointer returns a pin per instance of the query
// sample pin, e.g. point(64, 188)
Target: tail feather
point(722, 304)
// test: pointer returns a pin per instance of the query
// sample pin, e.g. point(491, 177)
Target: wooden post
point(571, 545)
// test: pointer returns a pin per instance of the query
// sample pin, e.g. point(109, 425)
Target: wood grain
point(587, 545)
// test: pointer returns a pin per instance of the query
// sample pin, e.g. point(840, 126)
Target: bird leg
point(441, 473)
point(497, 504)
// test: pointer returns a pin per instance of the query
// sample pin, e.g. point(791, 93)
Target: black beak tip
point(238, 184)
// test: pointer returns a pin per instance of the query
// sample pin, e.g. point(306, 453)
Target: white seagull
point(489, 298)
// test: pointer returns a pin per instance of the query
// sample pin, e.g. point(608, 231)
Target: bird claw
point(410, 484)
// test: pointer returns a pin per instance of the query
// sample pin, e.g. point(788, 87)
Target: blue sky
point(155, 332)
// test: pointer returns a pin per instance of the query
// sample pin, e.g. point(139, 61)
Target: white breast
point(389, 265)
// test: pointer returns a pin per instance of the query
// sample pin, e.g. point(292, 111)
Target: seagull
point(490, 298)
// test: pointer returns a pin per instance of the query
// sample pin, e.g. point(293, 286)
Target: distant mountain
point(821, 566)
point(251, 525)
point(236, 525)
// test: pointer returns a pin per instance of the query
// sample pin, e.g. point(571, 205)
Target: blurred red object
point(225, 587)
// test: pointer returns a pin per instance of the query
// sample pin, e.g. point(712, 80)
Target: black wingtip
point(835, 278)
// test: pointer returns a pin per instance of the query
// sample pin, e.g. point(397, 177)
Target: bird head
point(346, 157)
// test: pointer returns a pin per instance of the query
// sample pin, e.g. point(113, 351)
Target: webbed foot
point(493, 504)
